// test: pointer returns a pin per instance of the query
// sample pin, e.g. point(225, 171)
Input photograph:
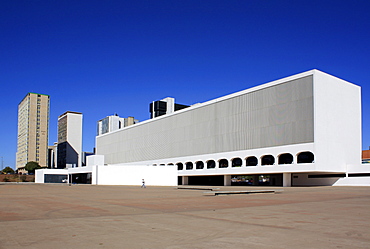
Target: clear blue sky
point(106, 57)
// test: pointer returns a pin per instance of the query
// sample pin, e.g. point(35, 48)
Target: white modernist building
point(301, 130)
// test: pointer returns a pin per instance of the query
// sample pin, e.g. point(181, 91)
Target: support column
point(287, 179)
point(94, 175)
point(227, 180)
point(185, 180)
point(255, 180)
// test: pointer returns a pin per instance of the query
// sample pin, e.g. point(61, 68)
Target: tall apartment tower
point(33, 130)
point(69, 140)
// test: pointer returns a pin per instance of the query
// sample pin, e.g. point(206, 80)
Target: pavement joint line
point(195, 188)
point(244, 192)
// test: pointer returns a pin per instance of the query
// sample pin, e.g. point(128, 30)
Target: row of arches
point(285, 158)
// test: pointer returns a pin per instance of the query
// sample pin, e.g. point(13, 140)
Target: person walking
point(143, 186)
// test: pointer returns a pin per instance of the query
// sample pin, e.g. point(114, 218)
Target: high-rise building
point(113, 123)
point(164, 106)
point(33, 130)
point(69, 140)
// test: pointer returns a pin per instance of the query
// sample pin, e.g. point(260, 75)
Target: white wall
point(303, 180)
point(337, 106)
point(94, 160)
point(133, 175)
point(353, 181)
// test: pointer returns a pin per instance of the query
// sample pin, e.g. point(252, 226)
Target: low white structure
point(51, 176)
point(133, 175)
point(110, 175)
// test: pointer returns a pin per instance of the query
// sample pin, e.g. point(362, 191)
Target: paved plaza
point(87, 216)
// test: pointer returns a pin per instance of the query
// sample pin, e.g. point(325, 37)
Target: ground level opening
point(234, 180)
point(82, 178)
point(257, 180)
point(206, 180)
point(55, 178)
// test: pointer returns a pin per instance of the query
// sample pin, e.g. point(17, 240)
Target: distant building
point(33, 130)
point(164, 106)
point(52, 156)
point(113, 123)
point(69, 140)
point(84, 155)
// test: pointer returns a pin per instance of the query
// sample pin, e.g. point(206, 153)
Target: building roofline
point(80, 113)
point(32, 93)
point(39, 94)
point(311, 72)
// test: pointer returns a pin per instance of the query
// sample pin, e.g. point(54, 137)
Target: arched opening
point(305, 157)
point(223, 163)
point(189, 165)
point(180, 166)
point(267, 160)
point(211, 164)
point(236, 162)
point(199, 165)
point(285, 158)
point(251, 161)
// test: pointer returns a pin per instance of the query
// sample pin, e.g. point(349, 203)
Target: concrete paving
point(85, 216)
